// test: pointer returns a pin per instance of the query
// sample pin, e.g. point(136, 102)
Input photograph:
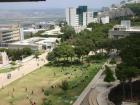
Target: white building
point(105, 19)
point(72, 17)
point(78, 17)
point(87, 18)
point(123, 30)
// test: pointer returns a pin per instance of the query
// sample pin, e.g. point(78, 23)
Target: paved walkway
point(26, 68)
point(92, 84)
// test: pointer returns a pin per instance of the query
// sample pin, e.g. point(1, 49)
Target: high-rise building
point(80, 11)
point(87, 18)
point(72, 17)
point(78, 16)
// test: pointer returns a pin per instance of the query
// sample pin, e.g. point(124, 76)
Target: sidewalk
point(91, 85)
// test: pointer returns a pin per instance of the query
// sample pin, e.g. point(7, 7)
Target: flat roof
point(36, 41)
point(55, 31)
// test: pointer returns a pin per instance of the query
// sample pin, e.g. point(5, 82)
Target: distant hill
point(135, 8)
point(119, 12)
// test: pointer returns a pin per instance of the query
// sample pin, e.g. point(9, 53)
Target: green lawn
point(8, 69)
point(31, 86)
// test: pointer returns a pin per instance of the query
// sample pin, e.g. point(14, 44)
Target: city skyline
point(54, 4)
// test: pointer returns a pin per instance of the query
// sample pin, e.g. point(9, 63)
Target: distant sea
point(31, 16)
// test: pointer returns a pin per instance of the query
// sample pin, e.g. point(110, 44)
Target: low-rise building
point(35, 43)
point(123, 30)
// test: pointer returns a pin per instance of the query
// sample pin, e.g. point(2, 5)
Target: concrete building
point(35, 43)
point(87, 18)
point(123, 30)
point(9, 34)
point(78, 17)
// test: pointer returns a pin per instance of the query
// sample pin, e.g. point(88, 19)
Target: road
point(26, 68)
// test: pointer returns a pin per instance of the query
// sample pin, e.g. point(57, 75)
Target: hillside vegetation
point(135, 8)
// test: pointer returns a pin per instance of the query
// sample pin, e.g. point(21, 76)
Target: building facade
point(9, 34)
point(72, 17)
point(123, 30)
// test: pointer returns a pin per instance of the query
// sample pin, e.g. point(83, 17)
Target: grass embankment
point(32, 85)
point(8, 69)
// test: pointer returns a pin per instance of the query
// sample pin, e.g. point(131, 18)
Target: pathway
point(26, 68)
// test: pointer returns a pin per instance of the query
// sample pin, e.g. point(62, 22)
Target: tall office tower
point(80, 10)
point(87, 18)
point(71, 17)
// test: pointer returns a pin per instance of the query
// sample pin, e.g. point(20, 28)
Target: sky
point(97, 4)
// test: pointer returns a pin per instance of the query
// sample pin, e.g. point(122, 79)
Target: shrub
point(113, 61)
point(47, 102)
point(46, 93)
point(13, 63)
point(109, 75)
point(64, 86)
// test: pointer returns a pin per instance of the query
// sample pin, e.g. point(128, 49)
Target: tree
point(37, 53)
point(125, 72)
point(47, 102)
point(131, 73)
point(51, 56)
point(108, 75)
point(120, 74)
point(68, 31)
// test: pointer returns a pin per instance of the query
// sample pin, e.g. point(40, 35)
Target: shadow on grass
point(116, 94)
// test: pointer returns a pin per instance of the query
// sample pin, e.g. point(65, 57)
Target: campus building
point(123, 30)
point(9, 34)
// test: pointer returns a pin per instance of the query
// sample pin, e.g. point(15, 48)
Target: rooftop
point(36, 41)
point(55, 31)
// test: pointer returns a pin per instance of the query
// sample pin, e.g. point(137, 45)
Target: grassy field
point(31, 86)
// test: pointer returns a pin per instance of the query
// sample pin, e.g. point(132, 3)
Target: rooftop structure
point(123, 30)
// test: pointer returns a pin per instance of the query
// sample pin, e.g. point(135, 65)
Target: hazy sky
point(58, 4)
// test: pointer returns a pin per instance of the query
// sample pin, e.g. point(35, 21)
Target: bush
point(13, 63)
point(64, 86)
point(109, 75)
point(113, 61)
point(47, 102)
point(46, 93)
